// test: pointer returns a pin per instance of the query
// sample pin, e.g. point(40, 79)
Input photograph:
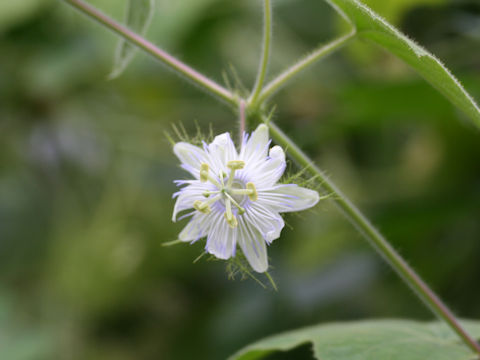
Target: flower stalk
point(241, 119)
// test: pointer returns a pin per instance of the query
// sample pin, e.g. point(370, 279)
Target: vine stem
point(267, 36)
point(279, 81)
point(375, 238)
point(170, 61)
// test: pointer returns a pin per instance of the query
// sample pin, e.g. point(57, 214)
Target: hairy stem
point(241, 119)
point(267, 36)
point(171, 62)
point(375, 238)
point(277, 83)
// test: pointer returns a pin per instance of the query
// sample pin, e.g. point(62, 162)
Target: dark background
point(86, 178)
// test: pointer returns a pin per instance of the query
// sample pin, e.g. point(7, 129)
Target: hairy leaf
point(138, 16)
point(370, 340)
point(374, 28)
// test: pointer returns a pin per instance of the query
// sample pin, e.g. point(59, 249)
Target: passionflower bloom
point(235, 198)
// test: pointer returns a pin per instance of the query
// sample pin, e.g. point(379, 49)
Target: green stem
point(171, 62)
point(375, 238)
point(241, 120)
point(267, 36)
point(302, 64)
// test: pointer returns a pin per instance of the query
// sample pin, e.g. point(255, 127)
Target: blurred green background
point(86, 179)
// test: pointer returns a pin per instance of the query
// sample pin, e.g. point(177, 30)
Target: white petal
point(277, 153)
point(188, 195)
point(256, 146)
point(253, 246)
point(265, 174)
point(286, 198)
point(222, 150)
point(222, 239)
point(268, 223)
point(191, 157)
point(197, 228)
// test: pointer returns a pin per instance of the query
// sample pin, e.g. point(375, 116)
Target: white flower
point(235, 196)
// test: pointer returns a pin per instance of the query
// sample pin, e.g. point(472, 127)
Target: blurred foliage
point(138, 15)
point(13, 12)
point(86, 179)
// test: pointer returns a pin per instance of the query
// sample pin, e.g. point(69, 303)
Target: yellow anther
point(236, 164)
point(201, 206)
point(204, 172)
point(232, 221)
point(253, 195)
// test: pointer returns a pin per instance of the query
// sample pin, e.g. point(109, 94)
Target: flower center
point(232, 192)
point(239, 198)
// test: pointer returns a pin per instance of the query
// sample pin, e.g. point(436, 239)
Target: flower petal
point(191, 157)
point(188, 195)
point(286, 198)
point(196, 228)
point(269, 171)
point(222, 239)
point(253, 246)
point(267, 222)
point(256, 147)
point(222, 150)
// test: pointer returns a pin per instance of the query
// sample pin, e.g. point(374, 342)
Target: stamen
point(253, 191)
point(214, 182)
point(204, 172)
point(205, 175)
point(241, 210)
point(204, 206)
point(228, 210)
point(231, 219)
point(250, 190)
point(201, 206)
point(223, 175)
point(234, 165)
point(241, 191)
point(233, 223)
point(208, 193)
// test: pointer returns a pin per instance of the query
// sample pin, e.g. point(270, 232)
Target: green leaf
point(370, 340)
point(138, 16)
point(374, 28)
point(394, 10)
